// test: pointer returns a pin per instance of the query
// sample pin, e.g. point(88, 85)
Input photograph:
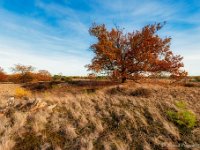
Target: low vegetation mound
point(141, 92)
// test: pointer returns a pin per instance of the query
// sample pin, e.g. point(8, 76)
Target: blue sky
point(53, 34)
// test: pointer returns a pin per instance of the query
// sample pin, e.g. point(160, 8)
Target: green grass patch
point(184, 118)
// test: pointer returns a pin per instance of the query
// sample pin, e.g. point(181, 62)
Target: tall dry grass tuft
point(71, 131)
point(141, 92)
point(20, 118)
point(39, 120)
point(7, 144)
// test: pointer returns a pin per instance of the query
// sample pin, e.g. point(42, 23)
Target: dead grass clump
point(41, 86)
point(90, 90)
point(71, 131)
point(7, 144)
point(28, 141)
point(40, 121)
point(20, 119)
point(191, 84)
point(58, 138)
point(4, 123)
point(116, 90)
point(143, 92)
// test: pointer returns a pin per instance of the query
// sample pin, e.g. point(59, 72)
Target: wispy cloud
point(54, 35)
point(29, 41)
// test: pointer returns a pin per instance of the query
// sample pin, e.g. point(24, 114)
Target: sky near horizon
point(53, 34)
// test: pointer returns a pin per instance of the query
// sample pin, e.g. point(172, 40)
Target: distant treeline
point(24, 74)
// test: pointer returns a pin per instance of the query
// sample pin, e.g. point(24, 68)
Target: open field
point(94, 115)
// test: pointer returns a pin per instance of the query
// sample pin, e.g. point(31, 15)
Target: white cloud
point(32, 42)
point(64, 47)
point(68, 65)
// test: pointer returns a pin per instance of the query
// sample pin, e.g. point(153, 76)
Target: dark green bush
point(197, 79)
point(62, 78)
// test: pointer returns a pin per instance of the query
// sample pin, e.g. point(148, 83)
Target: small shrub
point(3, 77)
point(66, 79)
point(42, 75)
point(14, 78)
point(197, 79)
point(184, 118)
point(55, 86)
point(90, 91)
point(62, 78)
point(181, 105)
point(190, 85)
point(22, 93)
point(141, 92)
point(29, 141)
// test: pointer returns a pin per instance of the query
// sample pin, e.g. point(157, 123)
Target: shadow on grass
point(89, 85)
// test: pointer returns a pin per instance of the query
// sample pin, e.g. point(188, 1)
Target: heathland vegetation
point(137, 96)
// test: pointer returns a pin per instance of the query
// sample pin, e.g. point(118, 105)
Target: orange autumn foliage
point(3, 76)
point(42, 75)
point(139, 53)
point(23, 74)
point(15, 78)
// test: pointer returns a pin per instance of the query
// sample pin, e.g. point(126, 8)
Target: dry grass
point(141, 92)
point(129, 116)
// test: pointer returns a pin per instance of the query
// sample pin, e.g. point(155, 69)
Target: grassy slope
point(107, 119)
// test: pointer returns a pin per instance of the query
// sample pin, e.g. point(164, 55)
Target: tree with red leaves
point(43, 75)
point(126, 56)
point(3, 76)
